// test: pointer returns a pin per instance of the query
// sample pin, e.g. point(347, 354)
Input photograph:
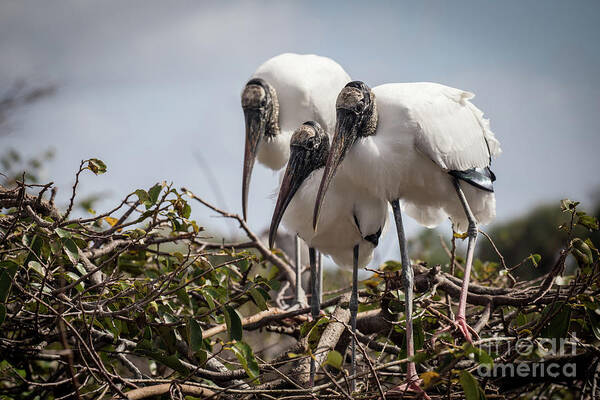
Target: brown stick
point(215, 330)
point(285, 267)
point(157, 390)
point(327, 342)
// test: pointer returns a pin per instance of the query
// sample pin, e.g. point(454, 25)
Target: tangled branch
point(141, 301)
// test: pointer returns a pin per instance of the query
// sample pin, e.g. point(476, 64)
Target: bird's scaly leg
point(314, 301)
point(320, 276)
point(412, 378)
point(461, 320)
point(353, 311)
point(299, 295)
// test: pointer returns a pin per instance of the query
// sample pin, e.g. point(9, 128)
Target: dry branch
point(133, 310)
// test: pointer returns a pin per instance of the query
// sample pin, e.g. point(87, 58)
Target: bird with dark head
point(309, 148)
point(283, 92)
point(261, 114)
point(353, 219)
point(426, 145)
point(356, 116)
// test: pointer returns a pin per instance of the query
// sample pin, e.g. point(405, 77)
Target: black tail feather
point(481, 178)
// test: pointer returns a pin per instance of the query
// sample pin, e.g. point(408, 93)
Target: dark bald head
point(309, 146)
point(261, 113)
point(356, 98)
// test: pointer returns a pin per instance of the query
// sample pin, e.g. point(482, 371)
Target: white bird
point(427, 145)
point(352, 222)
point(285, 91)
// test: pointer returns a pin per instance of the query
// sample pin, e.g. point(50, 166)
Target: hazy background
point(150, 86)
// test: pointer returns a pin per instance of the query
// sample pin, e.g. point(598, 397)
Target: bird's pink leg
point(461, 317)
point(413, 382)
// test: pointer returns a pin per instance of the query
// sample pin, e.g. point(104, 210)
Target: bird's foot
point(412, 385)
point(461, 325)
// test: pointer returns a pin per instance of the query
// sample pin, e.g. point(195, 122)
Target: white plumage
point(424, 145)
point(306, 86)
point(353, 219)
point(424, 130)
point(284, 92)
point(338, 232)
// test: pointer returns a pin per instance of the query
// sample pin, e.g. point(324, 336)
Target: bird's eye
point(360, 106)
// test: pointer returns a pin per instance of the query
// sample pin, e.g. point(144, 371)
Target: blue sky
point(149, 85)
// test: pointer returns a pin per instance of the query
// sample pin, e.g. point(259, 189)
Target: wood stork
point(352, 222)
point(285, 91)
point(419, 143)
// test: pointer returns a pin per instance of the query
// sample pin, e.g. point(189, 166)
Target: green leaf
point(35, 245)
point(81, 269)
point(243, 265)
point(2, 313)
point(62, 233)
point(37, 267)
point(166, 313)
point(187, 211)
point(594, 322)
point(316, 331)
point(75, 277)
point(208, 296)
point(147, 333)
point(96, 166)
point(71, 250)
point(590, 245)
point(559, 324)
point(264, 293)
point(535, 259)
point(233, 322)
point(484, 357)
point(470, 386)
point(273, 273)
point(10, 266)
point(480, 355)
point(154, 192)
point(183, 296)
point(142, 195)
point(334, 358)
point(306, 327)
point(246, 357)
point(258, 299)
point(195, 335)
point(5, 283)
point(588, 221)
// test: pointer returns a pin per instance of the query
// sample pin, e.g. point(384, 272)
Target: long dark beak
point(255, 126)
point(345, 136)
point(295, 173)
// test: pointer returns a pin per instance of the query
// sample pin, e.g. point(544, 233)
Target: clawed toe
point(413, 386)
point(465, 329)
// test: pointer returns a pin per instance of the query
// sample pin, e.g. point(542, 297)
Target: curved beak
point(295, 173)
point(345, 136)
point(255, 126)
